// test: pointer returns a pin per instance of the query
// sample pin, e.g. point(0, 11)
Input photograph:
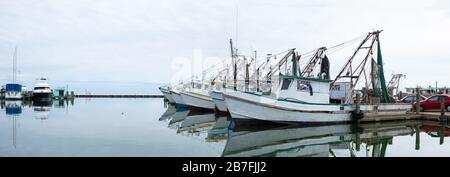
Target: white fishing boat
point(218, 100)
point(166, 92)
point(177, 98)
point(197, 96)
point(296, 98)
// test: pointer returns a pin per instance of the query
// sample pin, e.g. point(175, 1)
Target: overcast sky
point(141, 40)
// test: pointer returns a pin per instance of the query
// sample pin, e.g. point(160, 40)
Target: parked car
point(411, 99)
point(433, 103)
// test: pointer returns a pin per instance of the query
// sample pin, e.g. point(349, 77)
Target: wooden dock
point(424, 116)
point(119, 96)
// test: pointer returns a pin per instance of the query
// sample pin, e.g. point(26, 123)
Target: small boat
point(13, 92)
point(42, 91)
point(167, 95)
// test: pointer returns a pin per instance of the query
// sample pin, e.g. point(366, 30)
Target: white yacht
point(42, 91)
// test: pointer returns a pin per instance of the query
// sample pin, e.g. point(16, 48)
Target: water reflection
point(196, 123)
point(276, 140)
point(41, 109)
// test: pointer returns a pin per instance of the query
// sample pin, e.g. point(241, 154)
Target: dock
point(119, 96)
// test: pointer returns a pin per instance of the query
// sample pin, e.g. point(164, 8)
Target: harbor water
point(148, 127)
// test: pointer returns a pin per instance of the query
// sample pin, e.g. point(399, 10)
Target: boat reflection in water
point(316, 141)
point(264, 139)
point(169, 112)
point(13, 107)
point(188, 122)
point(177, 118)
point(42, 109)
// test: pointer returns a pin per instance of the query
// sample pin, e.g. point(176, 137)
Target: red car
point(432, 103)
point(411, 99)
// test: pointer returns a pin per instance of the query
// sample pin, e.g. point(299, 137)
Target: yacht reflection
point(42, 109)
point(315, 141)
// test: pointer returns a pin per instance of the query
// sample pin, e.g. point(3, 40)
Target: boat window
point(40, 88)
point(286, 84)
point(302, 85)
point(336, 87)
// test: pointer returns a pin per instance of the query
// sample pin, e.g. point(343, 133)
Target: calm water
point(145, 127)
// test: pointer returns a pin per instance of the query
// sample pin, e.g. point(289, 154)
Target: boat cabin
point(309, 90)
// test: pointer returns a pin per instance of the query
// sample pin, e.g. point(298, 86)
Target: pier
point(119, 96)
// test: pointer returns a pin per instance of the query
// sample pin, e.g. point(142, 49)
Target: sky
point(154, 41)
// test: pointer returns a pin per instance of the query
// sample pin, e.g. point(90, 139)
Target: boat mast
point(315, 59)
point(15, 65)
point(354, 74)
point(234, 63)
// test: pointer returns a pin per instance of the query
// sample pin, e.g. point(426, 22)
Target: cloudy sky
point(144, 40)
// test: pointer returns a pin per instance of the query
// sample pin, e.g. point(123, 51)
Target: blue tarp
point(14, 87)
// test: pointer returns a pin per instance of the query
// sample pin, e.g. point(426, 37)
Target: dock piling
point(417, 101)
point(417, 131)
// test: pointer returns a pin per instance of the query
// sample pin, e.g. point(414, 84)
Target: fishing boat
point(167, 95)
point(42, 91)
point(197, 96)
point(179, 102)
point(218, 100)
point(299, 97)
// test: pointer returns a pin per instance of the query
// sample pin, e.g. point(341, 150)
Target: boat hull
point(167, 95)
point(219, 101)
point(177, 99)
point(42, 96)
point(250, 106)
point(13, 96)
point(197, 100)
